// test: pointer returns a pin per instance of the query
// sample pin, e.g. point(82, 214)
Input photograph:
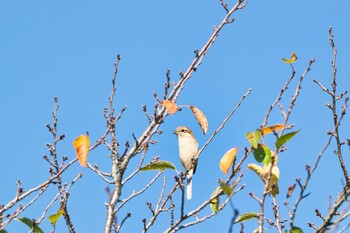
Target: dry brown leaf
point(228, 159)
point(170, 106)
point(201, 118)
point(290, 190)
point(81, 145)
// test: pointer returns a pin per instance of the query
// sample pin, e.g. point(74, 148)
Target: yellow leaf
point(214, 204)
point(275, 175)
point(293, 58)
point(263, 173)
point(228, 159)
point(81, 145)
point(273, 185)
point(201, 118)
point(276, 171)
point(54, 217)
point(170, 106)
point(226, 188)
point(256, 168)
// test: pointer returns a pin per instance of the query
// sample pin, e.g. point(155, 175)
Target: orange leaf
point(273, 128)
point(81, 145)
point(170, 106)
point(201, 118)
point(227, 160)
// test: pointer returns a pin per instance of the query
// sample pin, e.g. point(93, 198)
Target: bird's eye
point(183, 130)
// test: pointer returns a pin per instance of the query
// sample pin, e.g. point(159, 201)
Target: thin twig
point(135, 194)
point(137, 170)
point(334, 108)
point(26, 206)
point(343, 215)
point(23, 195)
point(100, 173)
point(224, 122)
point(194, 212)
point(296, 94)
point(128, 215)
point(48, 207)
point(279, 97)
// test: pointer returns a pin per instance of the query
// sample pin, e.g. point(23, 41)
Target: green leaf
point(159, 165)
point(3, 231)
point(268, 154)
point(54, 217)
point(30, 224)
point(214, 204)
point(254, 137)
point(295, 230)
point(247, 216)
point(225, 187)
point(285, 138)
point(262, 154)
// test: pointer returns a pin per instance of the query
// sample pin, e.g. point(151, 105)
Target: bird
point(188, 149)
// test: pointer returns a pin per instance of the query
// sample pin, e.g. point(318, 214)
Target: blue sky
point(67, 49)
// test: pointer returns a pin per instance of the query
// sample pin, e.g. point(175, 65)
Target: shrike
point(188, 148)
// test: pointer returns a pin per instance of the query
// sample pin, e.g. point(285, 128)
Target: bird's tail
point(189, 188)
